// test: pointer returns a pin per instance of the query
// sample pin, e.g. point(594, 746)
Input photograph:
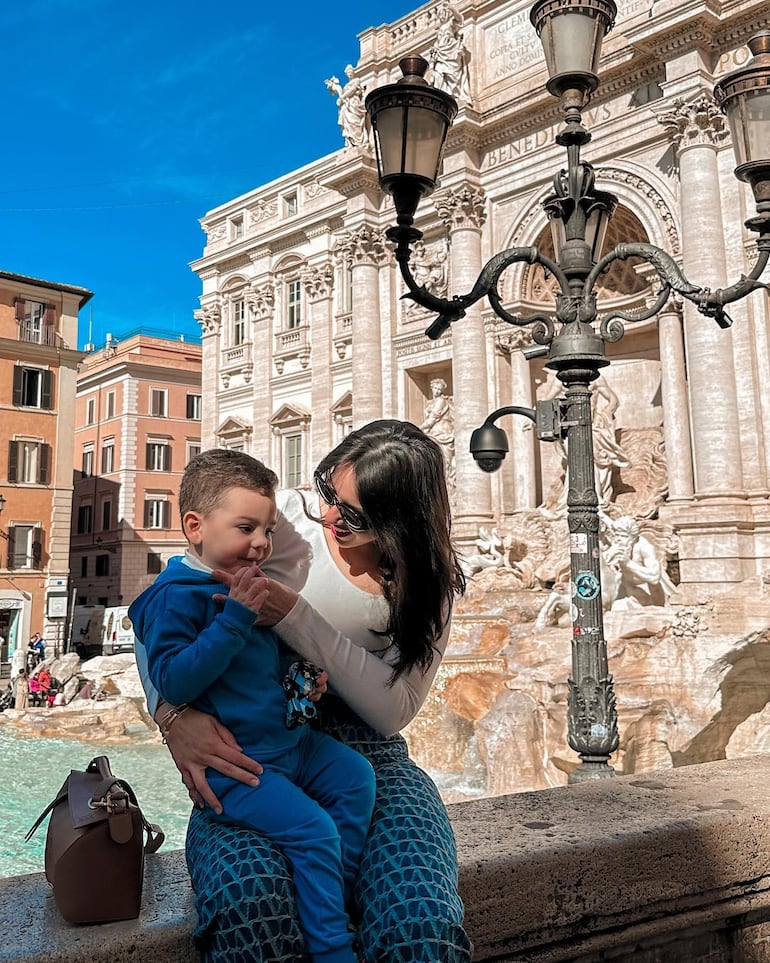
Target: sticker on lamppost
point(586, 586)
point(578, 543)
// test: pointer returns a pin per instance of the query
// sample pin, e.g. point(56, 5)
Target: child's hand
point(247, 590)
point(320, 687)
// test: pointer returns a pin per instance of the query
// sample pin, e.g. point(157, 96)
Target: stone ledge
point(666, 866)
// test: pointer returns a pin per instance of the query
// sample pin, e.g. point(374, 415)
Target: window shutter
point(189, 406)
point(44, 475)
point(11, 562)
point(146, 514)
point(167, 458)
point(19, 304)
point(49, 317)
point(148, 457)
point(13, 461)
point(46, 393)
point(167, 514)
point(37, 548)
point(18, 374)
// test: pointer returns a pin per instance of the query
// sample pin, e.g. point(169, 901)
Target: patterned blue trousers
point(406, 894)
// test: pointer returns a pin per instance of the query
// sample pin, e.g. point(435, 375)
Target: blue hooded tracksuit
point(315, 796)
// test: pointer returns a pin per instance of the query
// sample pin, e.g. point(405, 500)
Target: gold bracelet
point(169, 718)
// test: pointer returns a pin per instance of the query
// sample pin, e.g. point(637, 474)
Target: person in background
point(361, 580)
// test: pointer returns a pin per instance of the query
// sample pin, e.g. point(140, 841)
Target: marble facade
point(305, 335)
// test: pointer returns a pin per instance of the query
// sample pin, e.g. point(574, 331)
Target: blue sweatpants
point(316, 804)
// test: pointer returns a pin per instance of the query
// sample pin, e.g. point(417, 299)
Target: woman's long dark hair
point(399, 473)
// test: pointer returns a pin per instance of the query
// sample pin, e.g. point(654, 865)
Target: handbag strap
point(60, 798)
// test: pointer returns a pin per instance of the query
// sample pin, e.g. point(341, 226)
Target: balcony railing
point(40, 334)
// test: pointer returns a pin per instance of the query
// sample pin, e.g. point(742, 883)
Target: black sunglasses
point(355, 521)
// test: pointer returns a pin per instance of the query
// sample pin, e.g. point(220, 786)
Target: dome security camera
point(489, 446)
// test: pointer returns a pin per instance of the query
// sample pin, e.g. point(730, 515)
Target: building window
point(90, 411)
point(87, 465)
point(157, 513)
point(102, 566)
point(238, 316)
point(293, 304)
point(158, 456)
point(290, 206)
point(37, 321)
point(109, 405)
point(84, 519)
point(32, 387)
point(84, 566)
point(293, 460)
point(25, 546)
point(108, 458)
point(154, 563)
point(158, 402)
point(194, 407)
point(106, 514)
point(193, 449)
point(236, 228)
point(29, 462)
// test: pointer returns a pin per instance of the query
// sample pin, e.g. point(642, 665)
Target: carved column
point(318, 283)
point(462, 211)
point(260, 301)
point(697, 129)
point(676, 413)
point(210, 319)
point(366, 248)
point(520, 430)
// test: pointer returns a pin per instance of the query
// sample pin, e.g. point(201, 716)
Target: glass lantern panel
point(749, 118)
point(389, 137)
point(424, 142)
point(572, 43)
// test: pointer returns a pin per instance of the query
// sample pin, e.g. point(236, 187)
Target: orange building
point(137, 417)
point(38, 368)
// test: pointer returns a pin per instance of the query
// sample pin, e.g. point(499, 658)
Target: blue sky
point(125, 122)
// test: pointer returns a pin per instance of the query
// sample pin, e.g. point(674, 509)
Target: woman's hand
point(196, 741)
point(278, 600)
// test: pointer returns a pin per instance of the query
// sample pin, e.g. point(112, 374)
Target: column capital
point(695, 123)
point(461, 207)
point(209, 317)
point(362, 245)
point(318, 281)
point(260, 301)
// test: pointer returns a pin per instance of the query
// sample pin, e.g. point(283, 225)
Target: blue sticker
point(587, 585)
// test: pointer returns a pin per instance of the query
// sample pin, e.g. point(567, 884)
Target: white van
point(118, 633)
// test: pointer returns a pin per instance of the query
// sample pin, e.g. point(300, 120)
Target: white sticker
point(578, 543)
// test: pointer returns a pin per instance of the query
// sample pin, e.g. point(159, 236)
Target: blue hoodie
point(213, 655)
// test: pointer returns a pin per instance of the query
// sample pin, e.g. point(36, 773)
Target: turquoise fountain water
point(32, 769)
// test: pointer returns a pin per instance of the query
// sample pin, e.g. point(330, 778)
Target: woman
point(377, 579)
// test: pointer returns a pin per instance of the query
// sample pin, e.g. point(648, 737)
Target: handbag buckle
point(114, 802)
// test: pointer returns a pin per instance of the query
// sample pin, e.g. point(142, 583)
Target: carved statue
point(607, 452)
point(439, 423)
point(643, 578)
point(351, 110)
point(449, 56)
point(429, 269)
point(489, 555)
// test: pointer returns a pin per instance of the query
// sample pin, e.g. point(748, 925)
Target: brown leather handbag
point(94, 850)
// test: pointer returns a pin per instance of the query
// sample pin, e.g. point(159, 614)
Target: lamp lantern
point(744, 96)
point(410, 120)
point(571, 32)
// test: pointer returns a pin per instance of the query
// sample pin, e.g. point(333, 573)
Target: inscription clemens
point(510, 46)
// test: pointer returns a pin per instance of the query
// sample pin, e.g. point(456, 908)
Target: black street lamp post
point(410, 120)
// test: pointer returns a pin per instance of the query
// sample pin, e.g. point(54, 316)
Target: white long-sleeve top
point(335, 624)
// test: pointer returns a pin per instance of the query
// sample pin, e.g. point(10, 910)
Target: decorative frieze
point(642, 187)
point(263, 210)
point(461, 207)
